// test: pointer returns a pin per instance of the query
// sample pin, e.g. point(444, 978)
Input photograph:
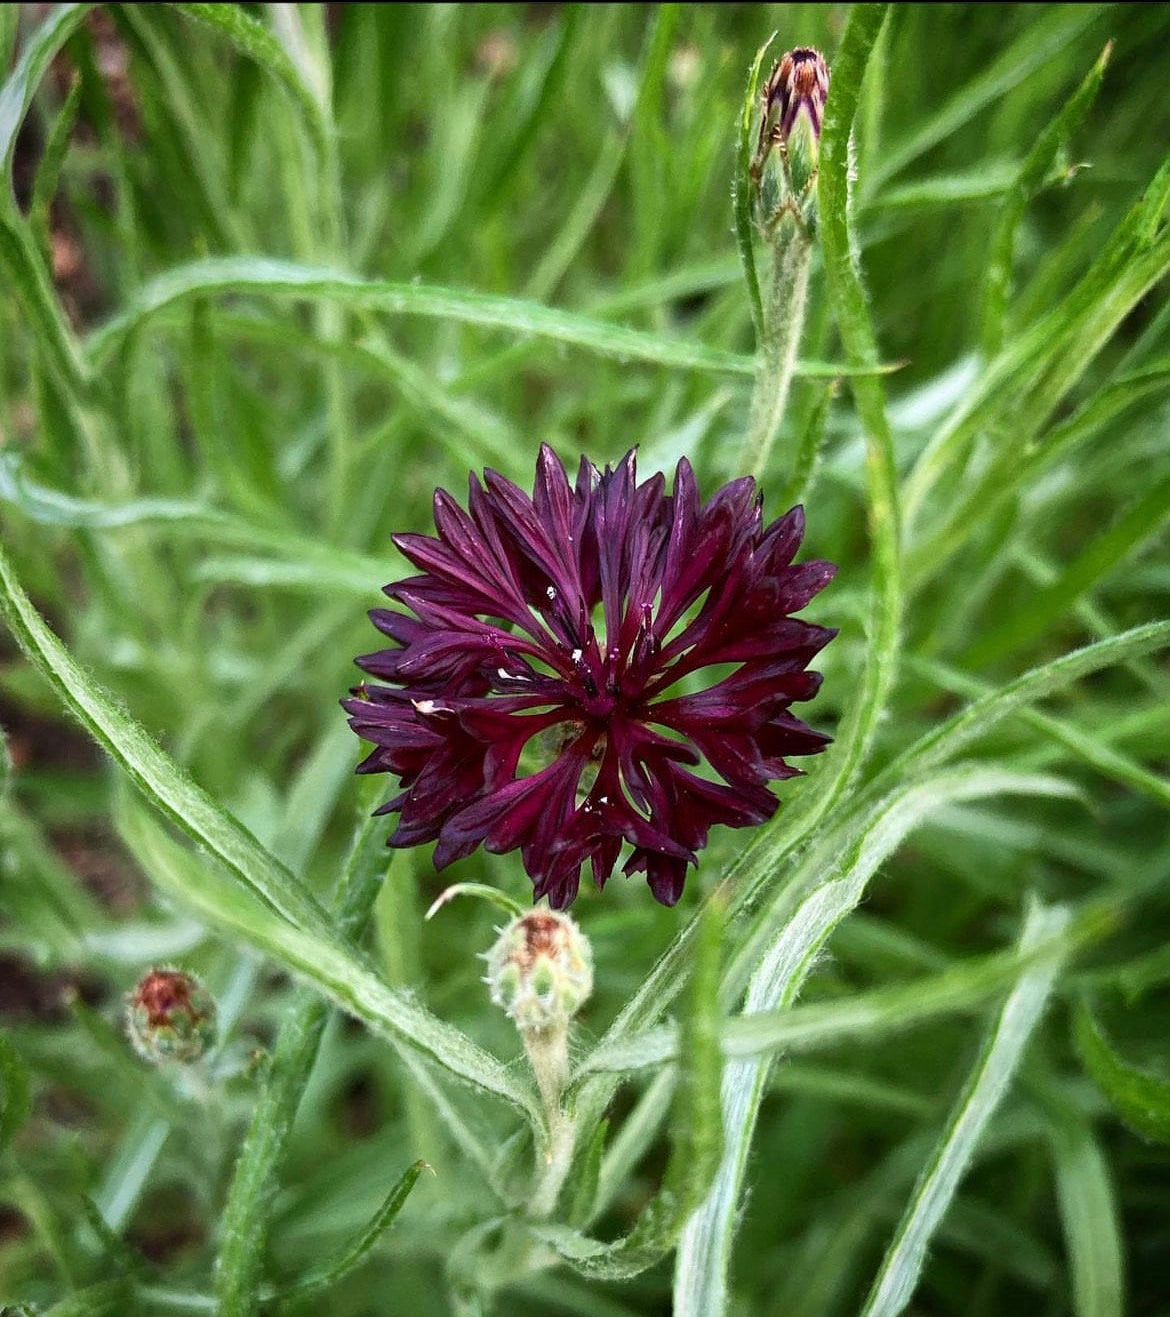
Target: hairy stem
point(784, 310)
point(239, 1268)
point(548, 1052)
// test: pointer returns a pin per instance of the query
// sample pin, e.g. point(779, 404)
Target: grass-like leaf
point(1032, 173)
point(1088, 1213)
point(281, 279)
point(338, 1268)
point(847, 295)
point(15, 1094)
point(741, 196)
point(898, 1274)
point(255, 40)
point(154, 774)
point(18, 90)
point(1141, 1099)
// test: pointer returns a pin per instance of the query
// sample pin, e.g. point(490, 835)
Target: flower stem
point(548, 1052)
point(784, 309)
point(246, 1212)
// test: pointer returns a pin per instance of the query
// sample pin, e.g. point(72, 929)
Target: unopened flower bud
point(541, 970)
point(784, 168)
point(170, 1016)
point(795, 95)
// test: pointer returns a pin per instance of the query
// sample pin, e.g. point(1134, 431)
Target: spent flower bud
point(541, 971)
point(170, 1016)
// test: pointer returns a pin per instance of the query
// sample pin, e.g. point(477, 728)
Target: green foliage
point(272, 274)
point(1142, 1100)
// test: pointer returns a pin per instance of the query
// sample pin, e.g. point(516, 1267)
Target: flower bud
point(170, 1016)
point(794, 98)
point(541, 970)
point(784, 168)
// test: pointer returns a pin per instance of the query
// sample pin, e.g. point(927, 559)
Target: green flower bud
point(541, 970)
point(170, 1016)
point(784, 168)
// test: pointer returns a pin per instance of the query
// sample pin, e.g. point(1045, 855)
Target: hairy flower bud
point(792, 112)
point(794, 97)
point(541, 970)
point(170, 1016)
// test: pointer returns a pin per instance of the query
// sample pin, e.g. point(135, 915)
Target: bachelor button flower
point(170, 1016)
point(791, 114)
point(796, 89)
point(547, 692)
point(541, 970)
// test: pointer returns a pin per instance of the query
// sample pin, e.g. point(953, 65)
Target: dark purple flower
point(546, 695)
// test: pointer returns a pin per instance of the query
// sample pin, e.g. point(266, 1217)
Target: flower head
point(547, 694)
point(541, 970)
point(795, 94)
point(170, 1016)
point(784, 167)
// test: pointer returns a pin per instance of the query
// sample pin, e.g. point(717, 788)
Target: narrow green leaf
point(901, 1267)
point(154, 774)
point(1089, 1215)
point(17, 92)
point(990, 180)
point(51, 507)
point(854, 849)
point(25, 272)
point(283, 279)
point(951, 737)
point(9, 28)
point(704, 1252)
point(771, 1026)
point(998, 278)
point(538, 85)
point(1018, 392)
point(173, 88)
point(1141, 1099)
point(49, 170)
point(847, 295)
point(15, 1095)
point(564, 247)
point(868, 1015)
point(302, 561)
point(129, 1167)
point(587, 1177)
point(1141, 521)
point(512, 908)
point(355, 1254)
point(1092, 750)
point(1041, 41)
point(809, 447)
point(255, 41)
point(741, 192)
point(632, 1140)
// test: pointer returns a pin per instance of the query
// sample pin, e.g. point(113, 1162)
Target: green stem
point(246, 1212)
point(548, 1053)
point(784, 311)
point(555, 1162)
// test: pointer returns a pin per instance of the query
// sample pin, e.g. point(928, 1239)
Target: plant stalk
point(548, 1052)
point(784, 312)
point(239, 1267)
